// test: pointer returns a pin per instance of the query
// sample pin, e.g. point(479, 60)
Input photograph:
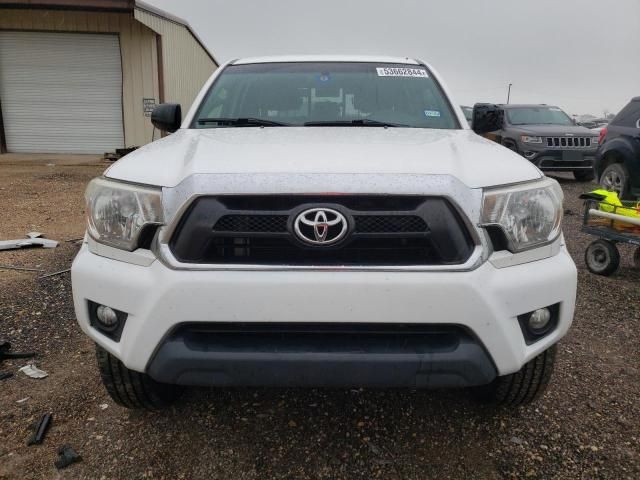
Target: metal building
point(82, 76)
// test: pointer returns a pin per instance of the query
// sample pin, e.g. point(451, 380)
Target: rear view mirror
point(167, 117)
point(487, 117)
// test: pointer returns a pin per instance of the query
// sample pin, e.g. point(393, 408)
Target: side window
point(629, 116)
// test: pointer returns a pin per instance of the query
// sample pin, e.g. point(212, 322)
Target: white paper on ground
point(32, 371)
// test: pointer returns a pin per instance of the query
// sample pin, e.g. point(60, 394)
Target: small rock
point(292, 424)
point(623, 421)
point(517, 440)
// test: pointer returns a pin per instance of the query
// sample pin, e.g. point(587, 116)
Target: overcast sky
point(583, 55)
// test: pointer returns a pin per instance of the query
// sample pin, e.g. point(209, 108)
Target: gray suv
point(547, 137)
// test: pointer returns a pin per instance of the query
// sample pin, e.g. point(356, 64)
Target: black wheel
point(522, 387)
point(615, 178)
point(636, 258)
point(602, 257)
point(133, 389)
point(510, 144)
point(584, 175)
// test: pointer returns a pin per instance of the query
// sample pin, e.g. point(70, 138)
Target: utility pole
point(509, 93)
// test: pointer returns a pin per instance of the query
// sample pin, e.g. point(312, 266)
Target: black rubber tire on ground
point(616, 178)
point(510, 144)
point(584, 175)
point(133, 389)
point(522, 387)
point(602, 257)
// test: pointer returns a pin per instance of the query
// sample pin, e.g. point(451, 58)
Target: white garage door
point(61, 92)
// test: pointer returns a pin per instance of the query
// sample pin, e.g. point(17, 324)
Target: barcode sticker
point(402, 72)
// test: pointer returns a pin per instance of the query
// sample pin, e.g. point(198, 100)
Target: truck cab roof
point(325, 58)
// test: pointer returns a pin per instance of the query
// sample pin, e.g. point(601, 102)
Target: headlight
point(528, 139)
point(117, 212)
point(529, 214)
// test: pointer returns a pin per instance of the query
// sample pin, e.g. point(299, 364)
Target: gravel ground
point(586, 426)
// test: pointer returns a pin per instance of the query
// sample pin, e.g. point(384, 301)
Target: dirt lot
point(587, 425)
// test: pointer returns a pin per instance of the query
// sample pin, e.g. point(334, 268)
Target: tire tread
point(132, 389)
point(523, 386)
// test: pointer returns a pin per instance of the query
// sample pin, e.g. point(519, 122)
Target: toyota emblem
point(320, 226)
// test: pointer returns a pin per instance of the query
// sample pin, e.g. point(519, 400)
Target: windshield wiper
point(243, 122)
point(360, 122)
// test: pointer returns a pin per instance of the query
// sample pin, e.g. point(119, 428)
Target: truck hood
point(554, 130)
point(473, 160)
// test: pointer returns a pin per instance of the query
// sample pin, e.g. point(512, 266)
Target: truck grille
point(382, 231)
point(569, 142)
point(278, 224)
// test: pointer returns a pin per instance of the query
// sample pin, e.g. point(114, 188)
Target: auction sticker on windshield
point(402, 72)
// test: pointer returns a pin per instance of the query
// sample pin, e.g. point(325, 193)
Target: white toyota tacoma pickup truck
point(324, 221)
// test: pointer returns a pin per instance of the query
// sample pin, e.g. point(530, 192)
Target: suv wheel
point(510, 144)
point(524, 386)
point(583, 175)
point(132, 389)
point(615, 178)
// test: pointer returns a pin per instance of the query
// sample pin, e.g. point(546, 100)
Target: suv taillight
point(603, 133)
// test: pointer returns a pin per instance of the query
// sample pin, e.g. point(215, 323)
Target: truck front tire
point(132, 389)
point(523, 386)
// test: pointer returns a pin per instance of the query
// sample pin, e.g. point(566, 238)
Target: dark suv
point(547, 137)
point(618, 158)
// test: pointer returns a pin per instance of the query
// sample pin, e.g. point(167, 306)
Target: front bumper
point(559, 160)
point(484, 302)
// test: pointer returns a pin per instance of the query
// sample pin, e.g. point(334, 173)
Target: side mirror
point(167, 117)
point(487, 117)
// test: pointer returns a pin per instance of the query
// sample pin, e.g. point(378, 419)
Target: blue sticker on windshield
point(431, 113)
point(324, 77)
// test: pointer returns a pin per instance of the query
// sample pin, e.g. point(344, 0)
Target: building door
point(61, 92)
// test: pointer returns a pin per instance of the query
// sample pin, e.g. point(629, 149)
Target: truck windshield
point(325, 94)
point(538, 116)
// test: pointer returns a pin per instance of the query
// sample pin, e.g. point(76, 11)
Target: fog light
point(107, 317)
point(539, 319)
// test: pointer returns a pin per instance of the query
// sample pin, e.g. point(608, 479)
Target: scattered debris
point(25, 269)
point(34, 239)
point(67, 456)
point(41, 430)
point(6, 354)
point(104, 406)
point(22, 400)
point(54, 273)
point(75, 240)
point(34, 372)
point(5, 375)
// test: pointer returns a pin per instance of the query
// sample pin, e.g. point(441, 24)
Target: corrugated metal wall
point(139, 56)
point(186, 64)
point(61, 92)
